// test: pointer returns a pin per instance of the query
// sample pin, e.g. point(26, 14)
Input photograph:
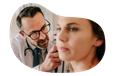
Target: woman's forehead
point(65, 20)
point(71, 17)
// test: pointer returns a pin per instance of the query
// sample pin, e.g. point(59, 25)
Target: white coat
point(18, 44)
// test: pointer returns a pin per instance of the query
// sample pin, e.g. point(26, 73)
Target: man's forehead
point(37, 15)
point(33, 23)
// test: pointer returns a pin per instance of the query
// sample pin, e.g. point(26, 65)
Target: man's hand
point(51, 62)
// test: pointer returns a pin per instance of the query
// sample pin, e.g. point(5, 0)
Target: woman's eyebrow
point(73, 23)
point(68, 24)
point(58, 24)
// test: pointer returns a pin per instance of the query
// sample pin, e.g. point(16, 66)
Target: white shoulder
point(17, 39)
point(18, 43)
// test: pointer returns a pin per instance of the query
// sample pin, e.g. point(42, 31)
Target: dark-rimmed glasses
point(36, 34)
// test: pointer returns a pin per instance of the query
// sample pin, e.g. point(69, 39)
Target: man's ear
point(98, 43)
point(21, 33)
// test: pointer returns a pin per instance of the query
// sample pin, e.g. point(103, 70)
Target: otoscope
point(54, 39)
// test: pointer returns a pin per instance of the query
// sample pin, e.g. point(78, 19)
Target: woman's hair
point(97, 30)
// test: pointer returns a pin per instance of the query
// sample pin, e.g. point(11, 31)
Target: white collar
point(33, 47)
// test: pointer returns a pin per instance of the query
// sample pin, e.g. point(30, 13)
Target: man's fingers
point(54, 55)
point(53, 49)
point(57, 60)
point(56, 64)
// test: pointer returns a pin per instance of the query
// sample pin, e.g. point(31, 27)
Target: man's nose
point(42, 35)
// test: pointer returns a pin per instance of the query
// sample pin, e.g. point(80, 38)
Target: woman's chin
point(64, 58)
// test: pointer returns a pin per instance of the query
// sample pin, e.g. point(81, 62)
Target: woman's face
point(75, 38)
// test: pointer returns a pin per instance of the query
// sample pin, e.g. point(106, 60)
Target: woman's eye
point(58, 29)
point(73, 29)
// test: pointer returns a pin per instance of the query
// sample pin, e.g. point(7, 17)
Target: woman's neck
point(84, 65)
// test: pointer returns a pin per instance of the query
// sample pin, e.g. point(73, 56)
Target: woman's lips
point(63, 49)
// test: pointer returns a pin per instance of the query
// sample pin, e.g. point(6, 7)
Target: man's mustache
point(42, 40)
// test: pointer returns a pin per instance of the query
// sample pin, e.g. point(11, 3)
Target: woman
point(81, 42)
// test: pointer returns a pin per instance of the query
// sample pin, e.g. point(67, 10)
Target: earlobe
point(98, 43)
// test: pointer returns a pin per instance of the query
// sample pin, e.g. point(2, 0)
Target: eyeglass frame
point(39, 31)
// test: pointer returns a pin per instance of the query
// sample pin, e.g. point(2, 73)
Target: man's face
point(32, 24)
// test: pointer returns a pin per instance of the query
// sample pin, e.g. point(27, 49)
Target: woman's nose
point(62, 36)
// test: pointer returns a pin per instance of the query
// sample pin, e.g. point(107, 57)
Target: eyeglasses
point(36, 34)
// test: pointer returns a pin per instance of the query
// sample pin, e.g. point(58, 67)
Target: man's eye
point(34, 33)
point(43, 27)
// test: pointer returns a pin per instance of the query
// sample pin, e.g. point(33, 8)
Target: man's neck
point(33, 46)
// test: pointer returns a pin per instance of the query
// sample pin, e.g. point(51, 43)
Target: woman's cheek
point(76, 46)
point(75, 42)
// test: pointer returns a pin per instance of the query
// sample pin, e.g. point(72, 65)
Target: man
point(34, 35)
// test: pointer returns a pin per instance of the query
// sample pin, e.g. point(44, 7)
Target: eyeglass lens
point(44, 30)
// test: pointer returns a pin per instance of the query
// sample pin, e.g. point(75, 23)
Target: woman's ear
point(21, 33)
point(98, 43)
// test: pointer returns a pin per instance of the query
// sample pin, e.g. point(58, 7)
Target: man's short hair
point(27, 12)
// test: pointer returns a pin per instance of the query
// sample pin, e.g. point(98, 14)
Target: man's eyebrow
point(37, 30)
point(68, 24)
point(32, 32)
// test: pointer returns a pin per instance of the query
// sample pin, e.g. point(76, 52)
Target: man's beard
point(42, 40)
